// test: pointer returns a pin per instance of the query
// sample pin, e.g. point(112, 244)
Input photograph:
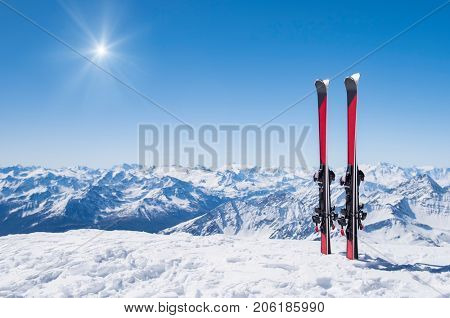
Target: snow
point(93, 263)
point(408, 205)
point(356, 77)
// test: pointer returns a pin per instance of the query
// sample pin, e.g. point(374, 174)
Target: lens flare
point(101, 50)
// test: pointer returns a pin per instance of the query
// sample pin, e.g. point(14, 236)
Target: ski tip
point(325, 82)
point(355, 77)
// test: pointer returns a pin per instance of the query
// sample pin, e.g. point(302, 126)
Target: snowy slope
point(93, 263)
point(124, 197)
point(405, 205)
point(416, 211)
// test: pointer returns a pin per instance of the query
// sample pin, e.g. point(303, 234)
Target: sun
point(101, 50)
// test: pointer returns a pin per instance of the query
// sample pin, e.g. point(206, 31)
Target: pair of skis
point(351, 215)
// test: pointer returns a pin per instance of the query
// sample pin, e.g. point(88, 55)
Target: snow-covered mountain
point(404, 204)
point(36, 199)
point(417, 210)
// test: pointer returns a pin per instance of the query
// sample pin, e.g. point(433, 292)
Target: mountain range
point(408, 205)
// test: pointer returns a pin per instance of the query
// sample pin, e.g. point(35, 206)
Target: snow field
point(93, 263)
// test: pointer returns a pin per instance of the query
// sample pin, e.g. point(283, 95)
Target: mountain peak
point(249, 201)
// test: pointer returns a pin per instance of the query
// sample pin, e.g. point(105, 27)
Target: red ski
point(352, 214)
point(324, 215)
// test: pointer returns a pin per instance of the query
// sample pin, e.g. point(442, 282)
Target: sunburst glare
point(101, 51)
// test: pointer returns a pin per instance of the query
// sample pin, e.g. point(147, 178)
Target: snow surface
point(356, 77)
point(326, 82)
point(94, 263)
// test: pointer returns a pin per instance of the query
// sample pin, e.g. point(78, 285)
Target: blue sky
point(221, 62)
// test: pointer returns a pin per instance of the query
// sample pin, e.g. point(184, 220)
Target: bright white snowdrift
point(92, 263)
